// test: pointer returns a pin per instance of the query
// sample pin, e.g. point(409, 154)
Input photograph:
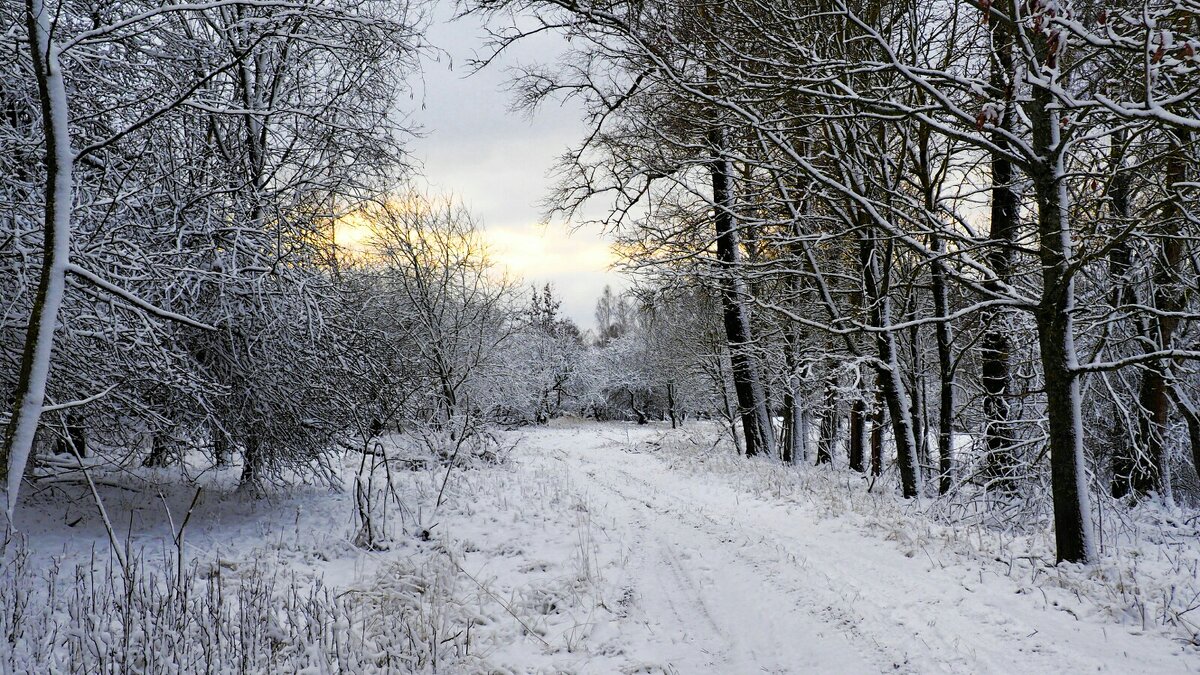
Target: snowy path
point(723, 582)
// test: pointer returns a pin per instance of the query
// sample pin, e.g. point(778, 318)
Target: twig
point(493, 596)
point(112, 535)
point(81, 402)
point(449, 467)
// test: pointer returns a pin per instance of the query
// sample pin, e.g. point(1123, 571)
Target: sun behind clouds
point(530, 251)
point(352, 232)
point(535, 251)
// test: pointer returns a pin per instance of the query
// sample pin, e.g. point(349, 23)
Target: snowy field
point(595, 548)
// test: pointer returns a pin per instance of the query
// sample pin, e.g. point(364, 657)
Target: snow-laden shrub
point(465, 445)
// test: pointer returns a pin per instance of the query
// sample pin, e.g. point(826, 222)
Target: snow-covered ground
point(606, 548)
point(730, 581)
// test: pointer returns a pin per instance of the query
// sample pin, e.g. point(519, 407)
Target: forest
point(930, 270)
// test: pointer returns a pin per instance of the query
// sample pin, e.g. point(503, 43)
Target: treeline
point(961, 230)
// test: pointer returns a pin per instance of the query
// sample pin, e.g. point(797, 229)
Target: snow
point(783, 587)
point(616, 548)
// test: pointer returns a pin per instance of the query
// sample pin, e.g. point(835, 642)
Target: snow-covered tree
point(194, 155)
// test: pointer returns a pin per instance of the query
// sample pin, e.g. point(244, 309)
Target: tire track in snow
point(671, 603)
point(706, 607)
point(863, 590)
point(830, 614)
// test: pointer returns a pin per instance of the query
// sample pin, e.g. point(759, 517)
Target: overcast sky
point(496, 161)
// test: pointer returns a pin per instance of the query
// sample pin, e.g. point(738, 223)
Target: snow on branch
point(136, 301)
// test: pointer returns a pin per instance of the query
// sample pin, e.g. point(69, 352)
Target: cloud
point(497, 162)
point(577, 266)
point(547, 251)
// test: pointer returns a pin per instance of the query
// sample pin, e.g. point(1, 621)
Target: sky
point(496, 161)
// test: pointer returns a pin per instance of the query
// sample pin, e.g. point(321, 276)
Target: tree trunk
point(919, 413)
point(1125, 462)
point(639, 414)
point(891, 381)
point(220, 447)
point(792, 441)
point(30, 393)
point(877, 435)
point(1168, 299)
point(159, 450)
point(752, 406)
point(917, 408)
point(794, 419)
point(786, 433)
point(803, 430)
point(829, 424)
point(794, 430)
point(1072, 512)
point(671, 405)
point(995, 347)
point(858, 435)
point(944, 339)
point(252, 464)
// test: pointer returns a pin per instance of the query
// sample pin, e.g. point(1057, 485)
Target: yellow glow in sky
point(538, 252)
point(352, 233)
point(533, 252)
